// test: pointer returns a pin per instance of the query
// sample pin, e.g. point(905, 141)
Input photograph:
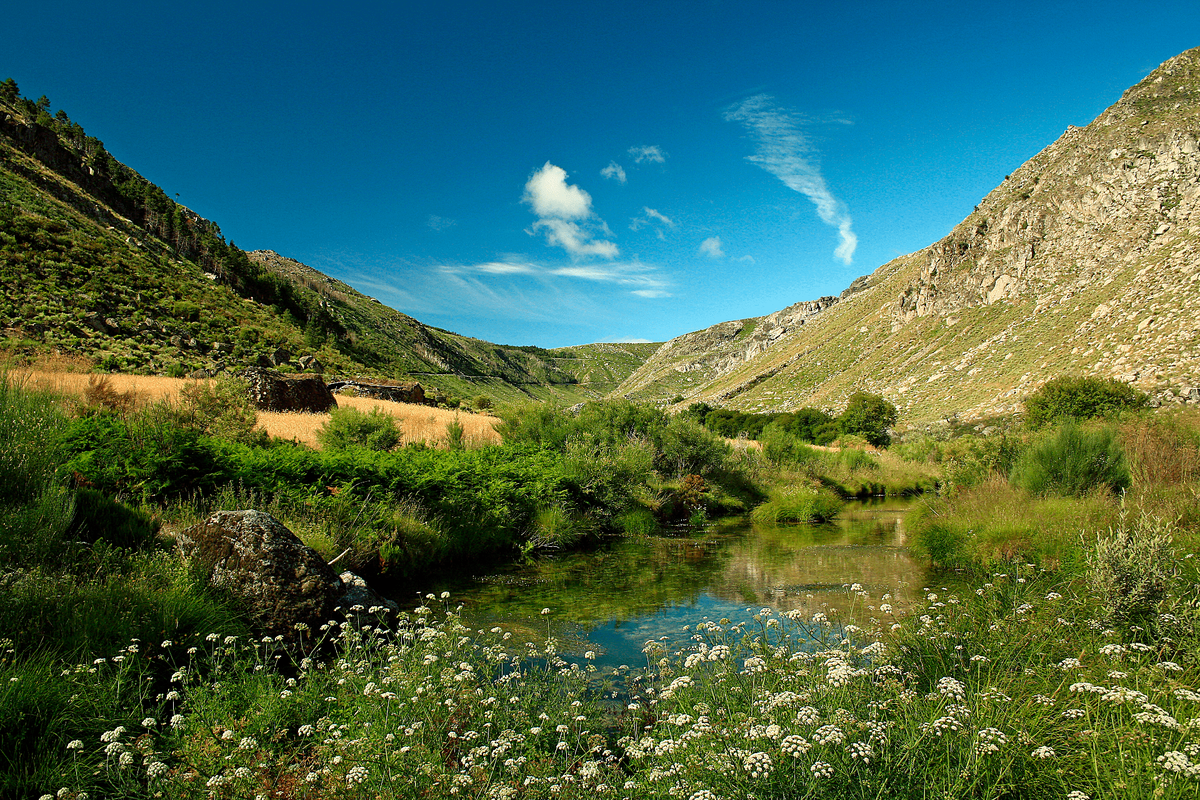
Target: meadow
point(1058, 656)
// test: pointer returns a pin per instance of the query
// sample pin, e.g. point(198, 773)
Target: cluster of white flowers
point(795, 745)
point(1178, 762)
point(829, 734)
point(989, 740)
point(951, 687)
point(821, 769)
point(757, 764)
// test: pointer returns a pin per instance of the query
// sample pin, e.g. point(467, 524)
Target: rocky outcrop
point(284, 585)
point(720, 349)
point(253, 558)
point(396, 392)
point(274, 391)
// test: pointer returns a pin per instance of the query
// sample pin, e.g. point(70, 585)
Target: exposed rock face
point(273, 391)
point(720, 349)
point(396, 392)
point(261, 563)
point(1085, 260)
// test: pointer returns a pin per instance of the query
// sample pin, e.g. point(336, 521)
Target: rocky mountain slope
point(1085, 260)
point(99, 265)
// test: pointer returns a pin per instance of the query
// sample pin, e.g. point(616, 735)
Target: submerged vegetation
point(1059, 660)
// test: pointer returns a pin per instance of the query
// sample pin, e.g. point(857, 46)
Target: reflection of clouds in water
point(614, 601)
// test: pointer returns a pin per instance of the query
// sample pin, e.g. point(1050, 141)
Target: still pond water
point(614, 599)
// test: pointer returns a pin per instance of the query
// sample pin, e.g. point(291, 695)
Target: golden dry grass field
point(417, 423)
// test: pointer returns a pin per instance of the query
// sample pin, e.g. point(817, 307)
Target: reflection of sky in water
point(618, 643)
point(613, 601)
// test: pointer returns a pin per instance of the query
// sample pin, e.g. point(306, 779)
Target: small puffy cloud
point(549, 194)
point(614, 171)
point(647, 152)
point(711, 247)
point(439, 223)
point(575, 239)
point(565, 215)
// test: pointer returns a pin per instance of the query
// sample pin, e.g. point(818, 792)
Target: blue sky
point(554, 174)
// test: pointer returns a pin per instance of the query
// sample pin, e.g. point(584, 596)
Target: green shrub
point(455, 435)
point(870, 416)
point(1131, 570)
point(1072, 461)
point(688, 448)
point(798, 503)
point(781, 447)
point(1081, 398)
point(219, 408)
point(349, 427)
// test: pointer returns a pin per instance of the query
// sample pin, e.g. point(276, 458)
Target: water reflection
point(614, 599)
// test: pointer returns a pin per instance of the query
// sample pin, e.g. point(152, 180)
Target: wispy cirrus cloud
point(439, 223)
point(651, 216)
point(614, 171)
point(565, 215)
point(647, 152)
point(784, 150)
point(640, 279)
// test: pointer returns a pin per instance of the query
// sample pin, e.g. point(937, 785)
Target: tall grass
point(1073, 461)
point(1018, 688)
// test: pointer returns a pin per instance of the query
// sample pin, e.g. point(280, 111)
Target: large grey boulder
point(261, 564)
point(274, 391)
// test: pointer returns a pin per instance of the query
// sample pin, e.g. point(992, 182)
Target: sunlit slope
point(1085, 260)
point(100, 266)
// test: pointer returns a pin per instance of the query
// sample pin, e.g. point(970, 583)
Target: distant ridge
point(1085, 260)
point(98, 264)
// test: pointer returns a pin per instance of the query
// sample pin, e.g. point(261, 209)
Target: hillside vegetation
point(1085, 260)
point(97, 262)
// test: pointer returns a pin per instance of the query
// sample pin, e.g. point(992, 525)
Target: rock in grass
point(274, 391)
point(257, 561)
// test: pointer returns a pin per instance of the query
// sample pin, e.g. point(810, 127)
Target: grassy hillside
point(99, 264)
point(1084, 260)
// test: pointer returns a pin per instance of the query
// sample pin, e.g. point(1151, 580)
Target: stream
point(613, 599)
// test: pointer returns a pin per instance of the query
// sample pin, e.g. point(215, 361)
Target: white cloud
point(440, 223)
point(647, 152)
point(614, 171)
point(639, 278)
point(651, 216)
point(782, 149)
point(574, 239)
point(711, 247)
point(565, 215)
point(549, 194)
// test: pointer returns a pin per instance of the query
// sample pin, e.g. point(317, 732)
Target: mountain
point(1085, 260)
point(99, 265)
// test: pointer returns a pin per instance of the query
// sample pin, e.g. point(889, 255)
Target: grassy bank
point(1061, 661)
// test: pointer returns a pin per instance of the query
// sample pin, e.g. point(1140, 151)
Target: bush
point(1072, 461)
point(688, 448)
point(1081, 398)
point(1131, 570)
point(798, 504)
point(219, 408)
point(869, 416)
point(349, 427)
point(781, 447)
